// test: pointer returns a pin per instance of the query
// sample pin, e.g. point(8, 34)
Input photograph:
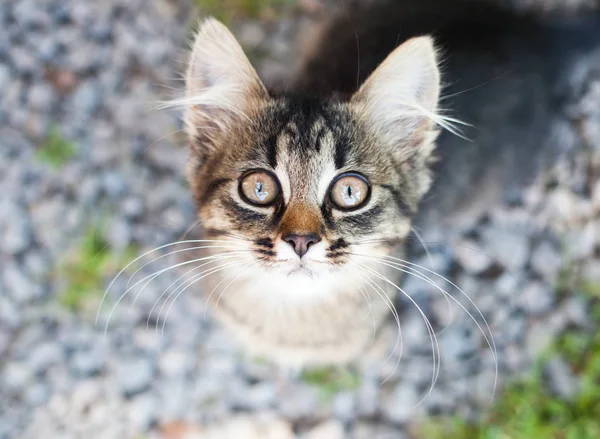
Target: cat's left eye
point(349, 191)
point(259, 188)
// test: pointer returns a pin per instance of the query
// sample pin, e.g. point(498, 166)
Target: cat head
point(306, 185)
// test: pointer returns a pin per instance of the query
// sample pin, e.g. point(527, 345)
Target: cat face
point(306, 186)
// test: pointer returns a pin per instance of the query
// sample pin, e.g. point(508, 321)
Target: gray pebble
point(560, 378)
point(508, 247)
point(401, 405)
point(364, 430)
point(4, 78)
point(299, 402)
point(135, 376)
point(176, 363)
point(143, 412)
point(24, 62)
point(457, 343)
point(15, 228)
point(37, 394)
point(118, 234)
point(343, 406)
point(87, 98)
point(19, 285)
point(471, 257)
point(16, 376)
point(10, 314)
point(45, 355)
point(546, 261)
point(89, 362)
point(41, 97)
point(114, 185)
point(538, 298)
point(133, 208)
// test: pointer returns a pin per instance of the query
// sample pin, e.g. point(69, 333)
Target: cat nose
point(301, 243)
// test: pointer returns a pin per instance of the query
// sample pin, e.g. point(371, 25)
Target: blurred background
point(91, 176)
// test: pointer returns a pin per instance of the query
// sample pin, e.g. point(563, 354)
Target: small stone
point(15, 228)
point(89, 362)
point(367, 398)
point(471, 257)
point(41, 97)
point(119, 234)
point(24, 62)
point(344, 406)
point(258, 396)
point(85, 395)
point(457, 343)
point(19, 286)
point(10, 315)
point(299, 402)
point(560, 378)
point(38, 394)
point(364, 430)
point(546, 261)
point(4, 78)
point(45, 355)
point(327, 430)
point(16, 376)
point(114, 185)
point(175, 363)
point(133, 208)
point(575, 309)
point(143, 412)
point(401, 405)
point(509, 248)
point(87, 97)
point(538, 298)
point(135, 376)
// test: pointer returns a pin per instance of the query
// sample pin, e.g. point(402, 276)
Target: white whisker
point(488, 338)
point(190, 282)
point(215, 258)
point(153, 276)
point(141, 257)
point(399, 339)
point(434, 342)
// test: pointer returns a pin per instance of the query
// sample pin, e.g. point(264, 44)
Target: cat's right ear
point(222, 87)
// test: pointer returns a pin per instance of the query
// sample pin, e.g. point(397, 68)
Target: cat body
point(308, 197)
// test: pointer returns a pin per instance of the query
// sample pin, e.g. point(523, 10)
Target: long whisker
point(175, 252)
point(406, 264)
point(392, 308)
point(434, 342)
point(216, 258)
point(141, 257)
point(489, 339)
point(191, 282)
point(231, 282)
point(153, 276)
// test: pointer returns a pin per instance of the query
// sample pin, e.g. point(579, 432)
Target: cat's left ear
point(222, 87)
point(400, 98)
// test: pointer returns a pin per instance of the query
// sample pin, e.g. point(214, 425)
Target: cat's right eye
point(259, 188)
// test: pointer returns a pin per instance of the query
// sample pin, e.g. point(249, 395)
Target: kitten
point(308, 196)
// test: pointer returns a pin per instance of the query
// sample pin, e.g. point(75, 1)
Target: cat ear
point(222, 87)
point(400, 97)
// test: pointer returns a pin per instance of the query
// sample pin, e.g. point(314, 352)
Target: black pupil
point(349, 191)
point(259, 186)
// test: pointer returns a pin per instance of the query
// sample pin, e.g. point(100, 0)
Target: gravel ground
point(95, 71)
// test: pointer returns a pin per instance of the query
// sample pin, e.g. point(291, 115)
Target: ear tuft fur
point(400, 98)
point(222, 87)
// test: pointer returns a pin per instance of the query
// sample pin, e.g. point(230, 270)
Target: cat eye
point(349, 191)
point(259, 188)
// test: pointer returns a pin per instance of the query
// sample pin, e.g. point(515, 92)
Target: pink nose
point(301, 243)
